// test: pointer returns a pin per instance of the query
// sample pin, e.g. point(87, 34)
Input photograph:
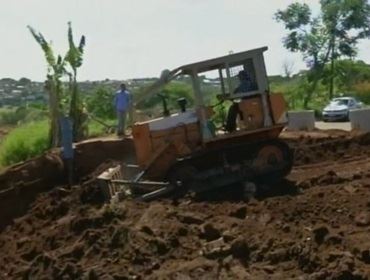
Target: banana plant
point(74, 59)
point(53, 85)
point(62, 102)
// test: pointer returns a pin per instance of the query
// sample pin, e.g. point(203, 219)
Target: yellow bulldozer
point(185, 151)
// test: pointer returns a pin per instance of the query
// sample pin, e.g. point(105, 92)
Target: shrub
point(22, 114)
point(100, 103)
point(12, 116)
point(363, 91)
point(96, 129)
point(24, 142)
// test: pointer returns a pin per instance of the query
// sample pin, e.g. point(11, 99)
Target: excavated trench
point(313, 225)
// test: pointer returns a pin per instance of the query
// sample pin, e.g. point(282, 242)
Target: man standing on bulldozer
point(122, 103)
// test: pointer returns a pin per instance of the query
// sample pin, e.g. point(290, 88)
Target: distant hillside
point(352, 77)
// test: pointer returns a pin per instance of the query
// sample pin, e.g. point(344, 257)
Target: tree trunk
point(332, 68)
point(73, 109)
point(316, 78)
point(54, 131)
point(309, 94)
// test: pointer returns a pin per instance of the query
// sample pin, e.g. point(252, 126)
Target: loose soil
point(313, 225)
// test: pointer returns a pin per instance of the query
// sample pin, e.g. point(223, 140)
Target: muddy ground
point(314, 225)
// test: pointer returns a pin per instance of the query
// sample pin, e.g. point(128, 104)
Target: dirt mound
point(315, 225)
point(333, 147)
point(278, 237)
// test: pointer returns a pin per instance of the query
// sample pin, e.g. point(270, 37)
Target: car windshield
point(339, 102)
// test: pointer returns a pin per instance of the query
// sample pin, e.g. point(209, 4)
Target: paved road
point(334, 125)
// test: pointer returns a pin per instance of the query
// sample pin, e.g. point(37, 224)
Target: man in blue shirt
point(122, 103)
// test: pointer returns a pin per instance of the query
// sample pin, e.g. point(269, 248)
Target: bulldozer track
point(247, 160)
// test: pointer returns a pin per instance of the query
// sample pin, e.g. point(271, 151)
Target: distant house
point(30, 98)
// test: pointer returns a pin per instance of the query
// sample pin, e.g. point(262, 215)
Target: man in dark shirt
point(245, 82)
point(245, 85)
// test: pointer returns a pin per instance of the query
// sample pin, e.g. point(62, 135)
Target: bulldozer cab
point(239, 79)
point(241, 76)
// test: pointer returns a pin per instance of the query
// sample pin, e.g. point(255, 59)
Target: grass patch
point(24, 142)
point(18, 115)
point(96, 129)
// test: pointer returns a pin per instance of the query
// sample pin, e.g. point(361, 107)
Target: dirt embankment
point(315, 225)
point(20, 184)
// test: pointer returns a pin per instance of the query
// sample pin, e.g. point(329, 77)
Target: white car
point(338, 109)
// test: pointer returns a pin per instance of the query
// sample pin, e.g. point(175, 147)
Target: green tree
point(61, 101)
point(24, 81)
point(352, 72)
point(100, 103)
point(173, 91)
point(324, 38)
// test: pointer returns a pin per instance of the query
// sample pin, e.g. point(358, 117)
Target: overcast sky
point(140, 38)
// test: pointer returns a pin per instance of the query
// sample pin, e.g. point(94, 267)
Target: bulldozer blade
point(156, 194)
point(141, 184)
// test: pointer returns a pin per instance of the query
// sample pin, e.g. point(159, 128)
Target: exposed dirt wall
point(21, 183)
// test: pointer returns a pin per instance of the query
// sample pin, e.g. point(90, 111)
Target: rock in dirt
point(216, 249)
point(365, 255)
point(239, 213)
point(269, 268)
point(350, 189)
point(240, 249)
point(191, 218)
point(333, 239)
point(319, 233)
point(277, 256)
point(91, 275)
point(363, 219)
point(265, 218)
point(209, 232)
